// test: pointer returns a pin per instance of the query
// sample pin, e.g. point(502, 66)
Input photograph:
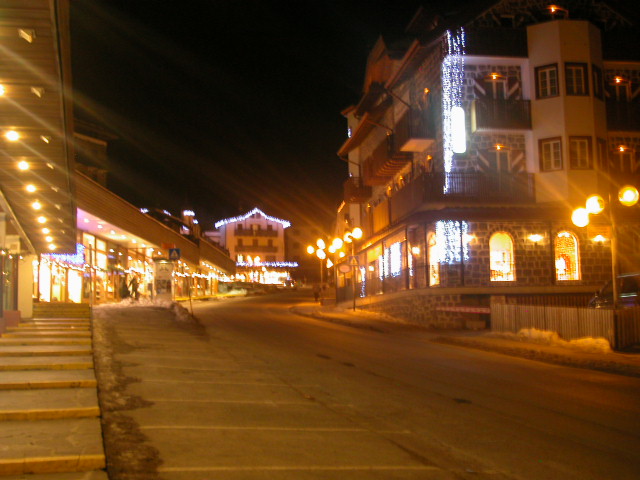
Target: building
point(37, 191)
point(476, 136)
point(256, 241)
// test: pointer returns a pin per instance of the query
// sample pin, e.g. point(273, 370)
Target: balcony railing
point(246, 232)
point(500, 114)
point(355, 191)
point(385, 161)
point(623, 116)
point(414, 131)
point(256, 249)
point(470, 188)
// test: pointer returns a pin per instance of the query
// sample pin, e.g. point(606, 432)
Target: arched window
point(567, 256)
point(501, 258)
point(434, 260)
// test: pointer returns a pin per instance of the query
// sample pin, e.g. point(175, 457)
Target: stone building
point(476, 137)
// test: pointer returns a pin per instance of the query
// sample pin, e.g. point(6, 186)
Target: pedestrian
point(134, 288)
point(316, 292)
point(124, 290)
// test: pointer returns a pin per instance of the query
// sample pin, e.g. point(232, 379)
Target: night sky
point(223, 105)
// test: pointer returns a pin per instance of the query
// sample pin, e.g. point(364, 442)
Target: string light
point(450, 235)
point(452, 91)
point(220, 223)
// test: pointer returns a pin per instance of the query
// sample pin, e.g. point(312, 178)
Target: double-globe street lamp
point(595, 204)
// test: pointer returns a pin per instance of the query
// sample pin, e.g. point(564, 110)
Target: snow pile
point(180, 313)
point(587, 344)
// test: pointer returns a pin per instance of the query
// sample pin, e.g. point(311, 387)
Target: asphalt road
point(256, 392)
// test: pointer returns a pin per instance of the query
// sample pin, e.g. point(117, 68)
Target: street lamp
point(349, 237)
point(595, 204)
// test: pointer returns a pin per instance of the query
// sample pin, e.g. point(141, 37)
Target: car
point(628, 293)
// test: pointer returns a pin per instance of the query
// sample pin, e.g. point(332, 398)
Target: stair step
point(44, 350)
point(57, 320)
point(51, 446)
point(46, 334)
point(46, 363)
point(93, 475)
point(48, 404)
point(47, 327)
point(38, 379)
point(44, 341)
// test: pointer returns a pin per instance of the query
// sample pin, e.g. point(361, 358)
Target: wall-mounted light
point(415, 250)
point(599, 239)
point(628, 195)
point(494, 76)
point(556, 10)
point(619, 80)
point(535, 238)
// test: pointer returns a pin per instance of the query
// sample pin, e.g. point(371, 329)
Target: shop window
point(547, 81)
point(576, 79)
point(580, 153)
point(434, 260)
point(501, 257)
point(567, 257)
point(550, 154)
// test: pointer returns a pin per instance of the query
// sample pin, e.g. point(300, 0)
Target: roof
point(225, 221)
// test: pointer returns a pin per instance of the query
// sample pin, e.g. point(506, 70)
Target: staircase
point(49, 413)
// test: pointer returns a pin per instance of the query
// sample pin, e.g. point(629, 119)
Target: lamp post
point(595, 204)
point(349, 237)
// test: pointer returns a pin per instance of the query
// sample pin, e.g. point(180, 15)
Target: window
point(270, 243)
point(547, 81)
point(576, 79)
point(596, 78)
point(550, 154)
point(434, 261)
point(239, 242)
point(580, 153)
point(567, 258)
point(501, 257)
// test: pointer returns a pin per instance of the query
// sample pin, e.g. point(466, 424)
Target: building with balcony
point(474, 139)
point(256, 241)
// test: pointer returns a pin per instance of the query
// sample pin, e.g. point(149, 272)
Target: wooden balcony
point(623, 116)
point(355, 191)
point(246, 232)
point(489, 114)
point(385, 161)
point(414, 131)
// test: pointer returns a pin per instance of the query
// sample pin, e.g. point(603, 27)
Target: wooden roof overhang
point(35, 79)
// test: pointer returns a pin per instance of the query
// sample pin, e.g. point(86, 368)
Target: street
point(256, 391)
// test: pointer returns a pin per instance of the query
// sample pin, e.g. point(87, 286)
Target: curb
point(62, 464)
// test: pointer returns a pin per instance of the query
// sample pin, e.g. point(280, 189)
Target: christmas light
point(220, 223)
point(454, 134)
point(268, 264)
point(450, 237)
point(69, 258)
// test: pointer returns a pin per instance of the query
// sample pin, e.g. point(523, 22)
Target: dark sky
point(227, 104)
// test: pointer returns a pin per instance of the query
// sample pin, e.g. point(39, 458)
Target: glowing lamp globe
point(356, 233)
point(321, 254)
point(320, 243)
point(595, 204)
point(580, 217)
point(628, 195)
point(311, 250)
point(337, 243)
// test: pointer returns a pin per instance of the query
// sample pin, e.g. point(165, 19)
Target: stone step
point(39, 379)
point(44, 350)
point(47, 327)
point(51, 446)
point(46, 363)
point(48, 404)
point(56, 320)
point(44, 341)
point(93, 475)
point(46, 334)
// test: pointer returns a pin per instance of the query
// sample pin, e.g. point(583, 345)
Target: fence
point(621, 328)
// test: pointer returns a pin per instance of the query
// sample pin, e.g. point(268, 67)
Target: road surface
point(258, 392)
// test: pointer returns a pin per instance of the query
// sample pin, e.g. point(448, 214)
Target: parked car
point(628, 293)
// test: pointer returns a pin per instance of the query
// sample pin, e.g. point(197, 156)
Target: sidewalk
point(592, 354)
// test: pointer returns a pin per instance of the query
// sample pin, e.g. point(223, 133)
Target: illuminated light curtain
point(363, 283)
point(451, 237)
point(454, 134)
point(434, 259)
point(395, 259)
point(567, 256)
point(501, 257)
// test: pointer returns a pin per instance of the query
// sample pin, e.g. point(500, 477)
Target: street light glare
point(356, 233)
point(321, 254)
point(580, 217)
point(311, 250)
point(337, 243)
point(595, 204)
point(628, 195)
point(320, 243)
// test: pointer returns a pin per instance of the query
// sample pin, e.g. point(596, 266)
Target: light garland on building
point(451, 237)
point(226, 221)
point(452, 95)
point(268, 264)
point(68, 258)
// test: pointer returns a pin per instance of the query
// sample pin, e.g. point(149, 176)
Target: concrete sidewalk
point(571, 354)
point(49, 414)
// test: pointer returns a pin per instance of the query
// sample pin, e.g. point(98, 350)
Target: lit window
point(434, 264)
point(501, 258)
point(567, 258)
point(576, 78)
point(550, 154)
point(580, 153)
point(547, 81)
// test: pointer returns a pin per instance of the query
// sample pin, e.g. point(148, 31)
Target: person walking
point(316, 292)
point(134, 288)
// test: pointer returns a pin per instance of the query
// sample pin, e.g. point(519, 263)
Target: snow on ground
point(181, 314)
point(587, 344)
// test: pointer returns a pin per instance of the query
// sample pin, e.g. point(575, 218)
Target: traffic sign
point(174, 254)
